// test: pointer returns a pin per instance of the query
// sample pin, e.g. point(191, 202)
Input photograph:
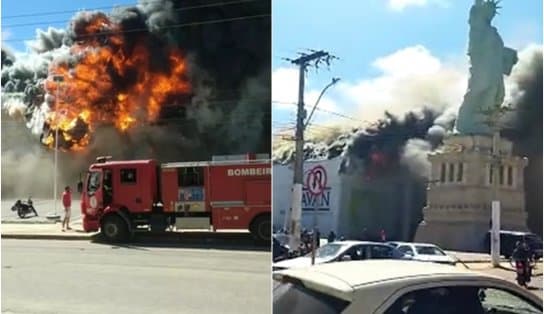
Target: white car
point(424, 252)
point(397, 287)
point(342, 251)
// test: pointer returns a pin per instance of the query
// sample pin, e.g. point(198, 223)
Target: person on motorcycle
point(522, 253)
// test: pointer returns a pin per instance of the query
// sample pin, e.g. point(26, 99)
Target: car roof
point(354, 242)
point(342, 278)
point(416, 243)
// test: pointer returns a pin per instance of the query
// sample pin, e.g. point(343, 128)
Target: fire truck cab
point(230, 192)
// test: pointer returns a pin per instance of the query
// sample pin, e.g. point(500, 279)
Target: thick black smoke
point(526, 134)
point(228, 111)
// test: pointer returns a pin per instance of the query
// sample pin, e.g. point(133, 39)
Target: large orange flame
point(109, 83)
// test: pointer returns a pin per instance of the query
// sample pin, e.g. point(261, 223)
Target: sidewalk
point(45, 231)
point(52, 231)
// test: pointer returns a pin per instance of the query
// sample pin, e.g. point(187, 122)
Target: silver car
point(343, 251)
point(397, 287)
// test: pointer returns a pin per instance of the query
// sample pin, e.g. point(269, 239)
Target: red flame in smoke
point(91, 93)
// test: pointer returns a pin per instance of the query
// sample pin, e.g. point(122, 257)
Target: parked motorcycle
point(523, 272)
point(24, 209)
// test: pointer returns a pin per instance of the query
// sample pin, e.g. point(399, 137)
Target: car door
point(354, 253)
point(460, 297)
point(406, 250)
point(378, 251)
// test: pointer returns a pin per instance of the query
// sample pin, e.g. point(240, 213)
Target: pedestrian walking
point(67, 203)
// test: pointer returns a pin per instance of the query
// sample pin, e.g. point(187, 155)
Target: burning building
point(172, 80)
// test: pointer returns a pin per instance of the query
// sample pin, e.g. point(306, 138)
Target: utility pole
point(494, 115)
point(58, 79)
point(317, 57)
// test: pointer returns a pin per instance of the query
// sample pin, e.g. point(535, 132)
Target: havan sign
point(315, 193)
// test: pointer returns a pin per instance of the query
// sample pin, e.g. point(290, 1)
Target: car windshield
point(328, 250)
point(429, 250)
point(292, 298)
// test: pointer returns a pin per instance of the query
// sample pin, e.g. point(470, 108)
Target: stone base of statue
point(458, 211)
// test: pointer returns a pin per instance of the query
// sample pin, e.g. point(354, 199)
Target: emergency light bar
point(102, 159)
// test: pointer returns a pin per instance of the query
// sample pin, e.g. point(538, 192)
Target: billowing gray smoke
point(387, 162)
point(226, 112)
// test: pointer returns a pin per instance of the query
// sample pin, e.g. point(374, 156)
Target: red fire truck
point(121, 197)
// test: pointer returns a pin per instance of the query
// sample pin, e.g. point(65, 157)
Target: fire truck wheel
point(114, 228)
point(261, 228)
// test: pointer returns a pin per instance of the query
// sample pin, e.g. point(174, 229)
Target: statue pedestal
point(458, 211)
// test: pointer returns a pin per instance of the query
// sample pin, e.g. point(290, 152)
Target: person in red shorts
point(67, 203)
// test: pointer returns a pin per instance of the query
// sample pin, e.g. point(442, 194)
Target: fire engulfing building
point(348, 204)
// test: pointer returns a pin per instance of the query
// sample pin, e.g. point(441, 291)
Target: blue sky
point(424, 39)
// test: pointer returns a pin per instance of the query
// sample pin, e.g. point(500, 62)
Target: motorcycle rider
point(522, 253)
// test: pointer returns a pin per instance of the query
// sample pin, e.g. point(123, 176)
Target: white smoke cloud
point(414, 156)
point(410, 79)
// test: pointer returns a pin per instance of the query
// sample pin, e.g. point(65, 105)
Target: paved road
point(79, 277)
point(43, 207)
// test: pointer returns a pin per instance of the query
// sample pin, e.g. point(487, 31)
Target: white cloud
point(399, 5)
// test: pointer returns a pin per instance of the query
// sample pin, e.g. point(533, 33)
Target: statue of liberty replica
point(475, 166)
point(489, 61)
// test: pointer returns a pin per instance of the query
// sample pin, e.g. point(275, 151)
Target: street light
point(58, 79)
point(334, 81)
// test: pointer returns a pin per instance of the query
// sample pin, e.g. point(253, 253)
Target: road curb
point(209, 242)
point(16, 222)
point(27, 236)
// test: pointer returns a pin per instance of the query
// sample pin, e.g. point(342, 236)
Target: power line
point(210, 22)
point(324, 110)
point(123, 6)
